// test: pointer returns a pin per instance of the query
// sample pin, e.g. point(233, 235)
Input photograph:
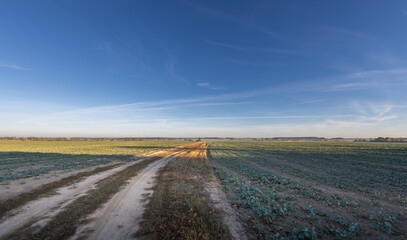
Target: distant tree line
point(388, 139)
point(83, 139)
point(381, 139)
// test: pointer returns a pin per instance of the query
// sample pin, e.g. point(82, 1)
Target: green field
point(23, 159)
point(316, 189)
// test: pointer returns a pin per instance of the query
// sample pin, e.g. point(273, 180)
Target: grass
point(180, 207)
point(88, 148)
point(24, 159)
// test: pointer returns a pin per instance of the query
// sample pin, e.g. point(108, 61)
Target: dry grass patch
point(180, 207)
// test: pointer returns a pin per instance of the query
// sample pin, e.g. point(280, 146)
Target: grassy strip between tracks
point(180, 208)
point(64, 224)
point(46, 190)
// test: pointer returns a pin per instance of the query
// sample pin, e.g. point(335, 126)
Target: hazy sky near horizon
point(203, 68)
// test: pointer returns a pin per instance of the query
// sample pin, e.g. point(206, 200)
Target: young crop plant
point(306, 159)
point(249, 194)
point(384, 222)
point(299, 233)
point(313, 213)
point(314, 190)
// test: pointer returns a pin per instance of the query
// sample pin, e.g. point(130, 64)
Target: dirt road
point(37, 213)
point(118, 219)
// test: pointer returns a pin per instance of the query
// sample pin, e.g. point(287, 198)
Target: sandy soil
point(39, 212)
point(230, 216)
point(118, 218)
point(19, 186)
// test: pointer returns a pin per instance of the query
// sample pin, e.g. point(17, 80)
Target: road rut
point(119, 217)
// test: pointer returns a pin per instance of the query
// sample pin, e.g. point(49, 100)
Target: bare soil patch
point(237, 228)
point(47, 207)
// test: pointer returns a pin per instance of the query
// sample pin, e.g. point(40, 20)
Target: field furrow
point(283, 201)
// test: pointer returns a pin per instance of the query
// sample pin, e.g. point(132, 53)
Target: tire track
point(118, 218)
point(45, 208)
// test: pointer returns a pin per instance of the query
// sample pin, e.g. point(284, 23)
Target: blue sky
point(203, 68)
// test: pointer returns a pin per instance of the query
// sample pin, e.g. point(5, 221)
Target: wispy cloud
point(190, 128)
point(384, 58)
point(255, 63)
point(260, 117)
point(371, 79)
point(210, 86)
point(379, 74)
point(247, 23)
point(309, 101)
point(12, 66)
point(141, 110)
point(346, 32)
point(170, 68)
point(222, 103)
point(172, 117)
point(370, 111)
point(165, 108)
point(248, 49)
point(164, 118)
point(124, 59)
